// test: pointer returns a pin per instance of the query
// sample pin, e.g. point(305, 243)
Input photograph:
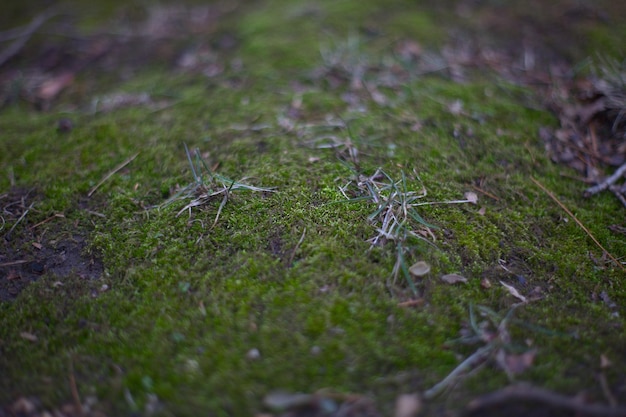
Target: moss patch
point(284, 291)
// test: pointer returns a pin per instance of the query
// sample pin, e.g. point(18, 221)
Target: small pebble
point(36, 268)
point(253, 354)
point(64, 125)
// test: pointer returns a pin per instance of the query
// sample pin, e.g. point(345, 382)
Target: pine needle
point(578, 222)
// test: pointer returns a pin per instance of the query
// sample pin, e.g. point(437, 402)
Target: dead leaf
point(456, 107)
point(408, 405)
point(23, 406)
point(409, 50)
point(604, 361)
point(515, 364)
point(37, 245)
point(513, 292)
point(28, 336)
point(378, 97)
point(482, 210)
point(471, 197)
point(280, 401)
point(485, 283)
point(419, 269)
point(453, 279)
point(49, 89)
point(13, 274)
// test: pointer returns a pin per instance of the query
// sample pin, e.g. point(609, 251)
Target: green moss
point(291, 273)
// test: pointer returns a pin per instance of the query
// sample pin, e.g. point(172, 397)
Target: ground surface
point(338, 144)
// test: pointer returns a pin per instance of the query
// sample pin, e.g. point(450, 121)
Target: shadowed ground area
point(330, 208)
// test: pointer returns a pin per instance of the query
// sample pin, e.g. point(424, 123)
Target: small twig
point(471, 362)
point(13, 263)
point(24, 35)
point(110, 174)
point(526, 394)
point(95, 213)
point(74, 390)
point(295, 249)
point(608, 181)
point(47, 220)
point(578, 222)
point(411, 303)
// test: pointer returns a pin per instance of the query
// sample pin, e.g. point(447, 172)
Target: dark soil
point(45, 248)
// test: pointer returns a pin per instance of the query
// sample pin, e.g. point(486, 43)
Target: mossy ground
point(186, 302)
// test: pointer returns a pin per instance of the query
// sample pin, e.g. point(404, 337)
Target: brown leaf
point(408, 405)
point(50, 88)
point(28, 336)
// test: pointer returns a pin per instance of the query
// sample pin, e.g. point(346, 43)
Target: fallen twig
point(578, 222)
point(110, 174)
point(468, 364)
point(608, 181)
point(526, 393)
point(13, 263)
point(22, 36)
point(487, 193)
point(56, 215)
point(293, 253)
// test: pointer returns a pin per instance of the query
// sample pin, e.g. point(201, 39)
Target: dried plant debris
point(525, 399)
point(319, 404)
point(395, 218)
point(491, 330)
point(592, 133)
point(112, 102)
point(40, 73)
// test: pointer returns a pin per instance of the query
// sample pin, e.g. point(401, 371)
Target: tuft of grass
point(396, 218)
point(208, 185)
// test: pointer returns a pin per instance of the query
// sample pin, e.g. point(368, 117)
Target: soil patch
point(32, 250)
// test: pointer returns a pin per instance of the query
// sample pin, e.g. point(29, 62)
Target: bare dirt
point(48, 247)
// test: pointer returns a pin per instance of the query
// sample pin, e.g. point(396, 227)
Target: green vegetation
point(212, 309)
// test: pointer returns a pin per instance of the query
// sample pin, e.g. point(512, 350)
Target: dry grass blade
point(578, 222)
point(395, 215)
point(111, 173)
